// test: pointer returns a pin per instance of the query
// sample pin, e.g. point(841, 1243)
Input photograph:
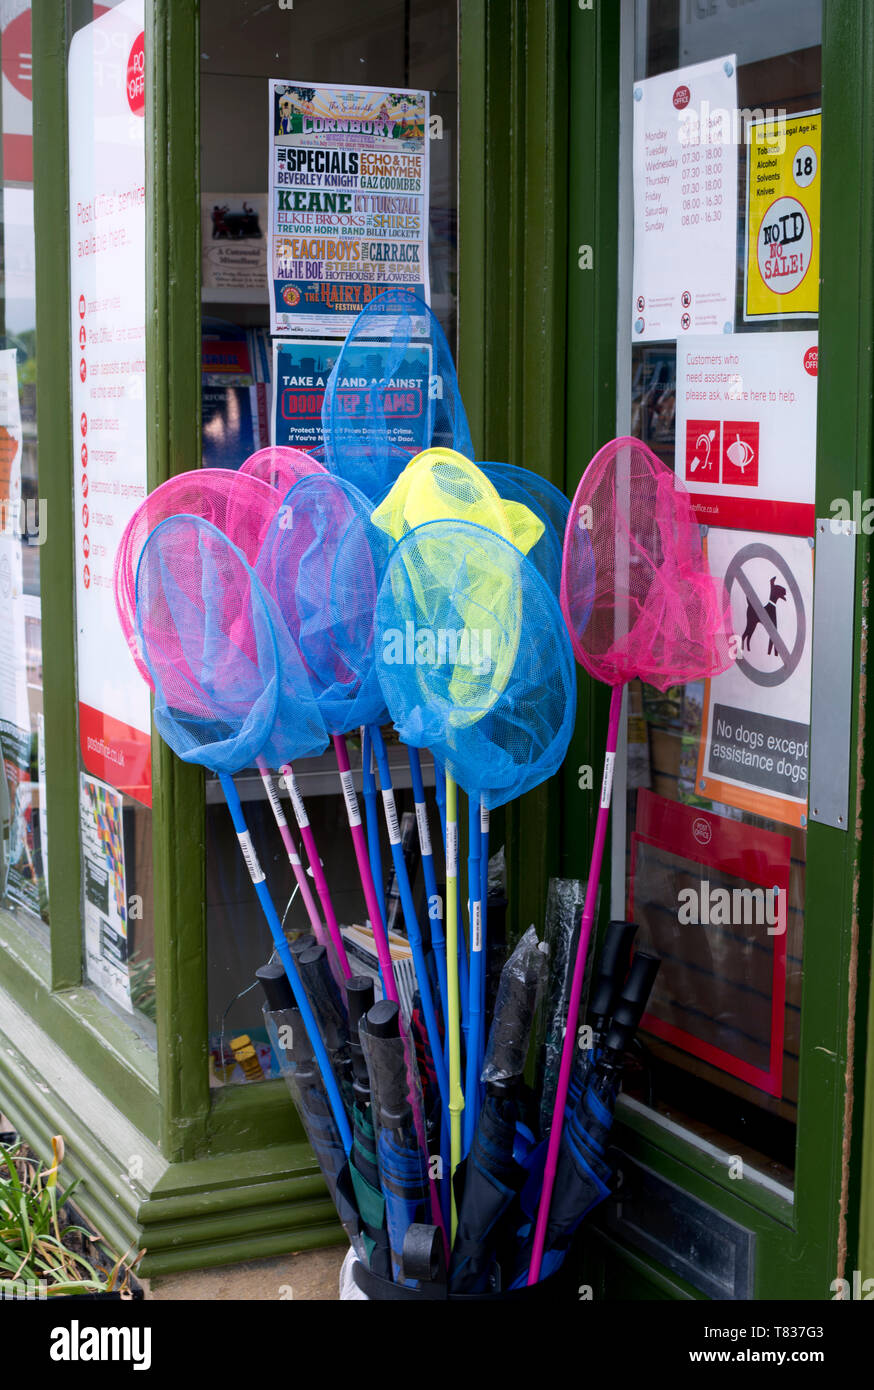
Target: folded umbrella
point(403, 1163)
point(491, 1176)
point(363, 1165)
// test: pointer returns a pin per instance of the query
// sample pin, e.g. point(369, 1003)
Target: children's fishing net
point(474, 659)
point(321, 561)
point(653, 610)
point(240, 506)
point(281, 466)
point(441, 484)
point(392, 393)
point(550, 506)
point(229, 684)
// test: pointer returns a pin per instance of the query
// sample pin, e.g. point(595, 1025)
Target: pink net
point(633, 552)
point(239, 505)
point(281, 466)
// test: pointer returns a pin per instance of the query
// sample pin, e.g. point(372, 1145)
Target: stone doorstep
point(313, 1275)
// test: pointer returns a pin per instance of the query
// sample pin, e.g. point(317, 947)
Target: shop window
point(395, 45)
point(718, 377)
point(23, 514)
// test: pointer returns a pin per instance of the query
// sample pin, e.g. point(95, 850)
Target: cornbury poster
point(301, 370)
point(348, 212)
point(782, 250)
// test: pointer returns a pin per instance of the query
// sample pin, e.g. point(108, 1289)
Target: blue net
point(393, 392)
point(546, 502)
point(229, 684)
point(321, 561)
point(474, 659)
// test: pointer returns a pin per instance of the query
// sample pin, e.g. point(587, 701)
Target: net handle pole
point(440, 783)
point(474, 1010)
point(456, 1094)
point(309, 841)
point(293, 856)
point(570, 1032)
point(435, 905)
point(368, 783)
point(411, 921)
point(484, 818)
point(338, 1110)
point(380, 937)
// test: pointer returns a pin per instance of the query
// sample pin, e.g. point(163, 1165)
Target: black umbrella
point(401, 1153)
point(363, 1166)
point(294, 1053)
point(491, 1177)
point(583, 1173)
point(330, 1013)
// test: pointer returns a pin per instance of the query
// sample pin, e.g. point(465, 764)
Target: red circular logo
point(83, 369)
point(682, 97)
point(701, 831)
point(136, 76)
point(82, 306)
point(811, 361)
point(84, 484)
point(84, 455)
point(86, 577)
point(83, 423)
point(85, 517)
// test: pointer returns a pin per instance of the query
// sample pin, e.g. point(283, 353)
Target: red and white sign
point(746, 430)
point(108, 315)
point(685, 202)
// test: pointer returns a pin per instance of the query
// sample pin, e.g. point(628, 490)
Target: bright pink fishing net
point(239, 505)
point(281, 466)
point(633, 552)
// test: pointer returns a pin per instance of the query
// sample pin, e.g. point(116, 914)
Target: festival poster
point(300, 374)
point(685, 142)
point(781, 265)
point(348, 202)
point(105, 889)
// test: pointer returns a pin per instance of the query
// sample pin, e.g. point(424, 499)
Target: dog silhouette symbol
point(777, 592)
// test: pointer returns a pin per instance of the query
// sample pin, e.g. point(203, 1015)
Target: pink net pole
point(306, 834)
point(293, 856)
point(570, 1032)
point(372, 902)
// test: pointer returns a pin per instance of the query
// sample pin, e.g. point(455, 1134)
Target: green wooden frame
point(801, 1246)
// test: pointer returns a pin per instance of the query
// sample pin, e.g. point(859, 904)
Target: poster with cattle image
point(755, 738)
point(234, 244)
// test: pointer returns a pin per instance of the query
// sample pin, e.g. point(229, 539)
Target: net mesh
point(240, 506)
point(550, 506)
point(474, 658)
point(321, 562)
point(281, 466)
point(392, 393)
point(229, 684)
point(652, 609)
point(439, 484)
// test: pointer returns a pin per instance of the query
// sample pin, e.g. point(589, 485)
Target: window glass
point(715, 774)
point(23, 514)
point(396, 45)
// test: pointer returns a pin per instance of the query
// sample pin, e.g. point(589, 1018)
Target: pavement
point(311, 1276)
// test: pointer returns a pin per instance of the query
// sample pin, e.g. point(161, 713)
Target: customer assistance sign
point(755, 736)
point(782, 236)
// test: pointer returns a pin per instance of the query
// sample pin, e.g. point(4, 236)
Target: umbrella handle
point(353, 815)
point(306, 834)
point(570, 1032)
point(456, 1095)
point(300, 996)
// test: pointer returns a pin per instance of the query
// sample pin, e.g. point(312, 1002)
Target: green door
point(738, 351)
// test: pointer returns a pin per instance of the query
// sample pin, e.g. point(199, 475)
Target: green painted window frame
point(834, 1179)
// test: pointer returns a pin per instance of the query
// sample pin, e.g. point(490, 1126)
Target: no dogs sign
point(755, 737)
